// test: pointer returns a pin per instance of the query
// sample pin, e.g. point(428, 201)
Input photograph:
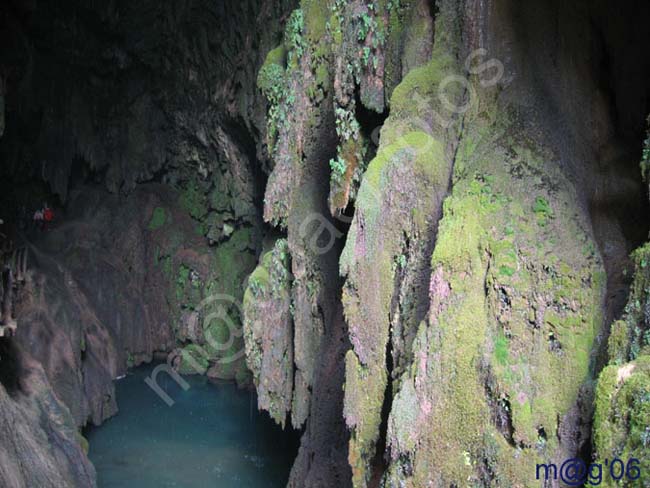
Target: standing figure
point(48, 216)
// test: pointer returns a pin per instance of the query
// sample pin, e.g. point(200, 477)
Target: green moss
point(200, 229)
point(631, 336)
point(412, 159)
point(429, 161)
point(424, 82)
point(83, 442)
point(496, 259)
point(543, 210)
point(618, 344)
point(501, 350)
point(362, 408)
point(193, 201)
point(167, 266)
point(462, 218)
point(322, 75)
point(183, 275)
point(241, 239)
point(274, 83)
point(158, 218)
point(622, 417)
point(507, 271)
point(271, 79)
point(334, 27)
point(276, 56)
point(218, 333)
point(219, 198)
point(194, 360)
point(233, 263)
point(316, 17)
point(266, 306)
point(272, 275)
point(403, 419)
point(187, 291)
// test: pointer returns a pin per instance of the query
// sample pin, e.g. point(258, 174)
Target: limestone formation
point(419, 229)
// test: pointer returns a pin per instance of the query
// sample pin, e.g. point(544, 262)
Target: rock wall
point(622, 415)
point(445, 196)
point(492, 223)
point(109, 286)
point(40, 444)
point(314, 138)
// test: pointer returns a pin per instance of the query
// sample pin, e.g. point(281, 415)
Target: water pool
point(212, 436)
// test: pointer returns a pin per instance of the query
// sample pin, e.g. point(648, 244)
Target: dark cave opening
point(370, 123)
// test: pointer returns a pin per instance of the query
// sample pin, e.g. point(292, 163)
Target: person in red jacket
point(48, 216)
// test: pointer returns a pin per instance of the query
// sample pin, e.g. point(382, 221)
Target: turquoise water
point(213, 436)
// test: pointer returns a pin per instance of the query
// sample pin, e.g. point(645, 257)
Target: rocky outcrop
point(268, 331)
point(622, 415)
point(301, 139)
point(311, 82)
point(41, 444)
point(87, 292)
point(483, 263)
point(515, 295)
point(388, 248)
point(40, 441)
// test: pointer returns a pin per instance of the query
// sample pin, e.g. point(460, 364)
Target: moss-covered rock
point(397, 207)
point(630, 336)
point(268, 331)
point(515, 311)
point(488, 380)
point(193, 360)
point(622, 418)
point(621, 427)
point(158, 218)
point(193, 200)
point(205, 288)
